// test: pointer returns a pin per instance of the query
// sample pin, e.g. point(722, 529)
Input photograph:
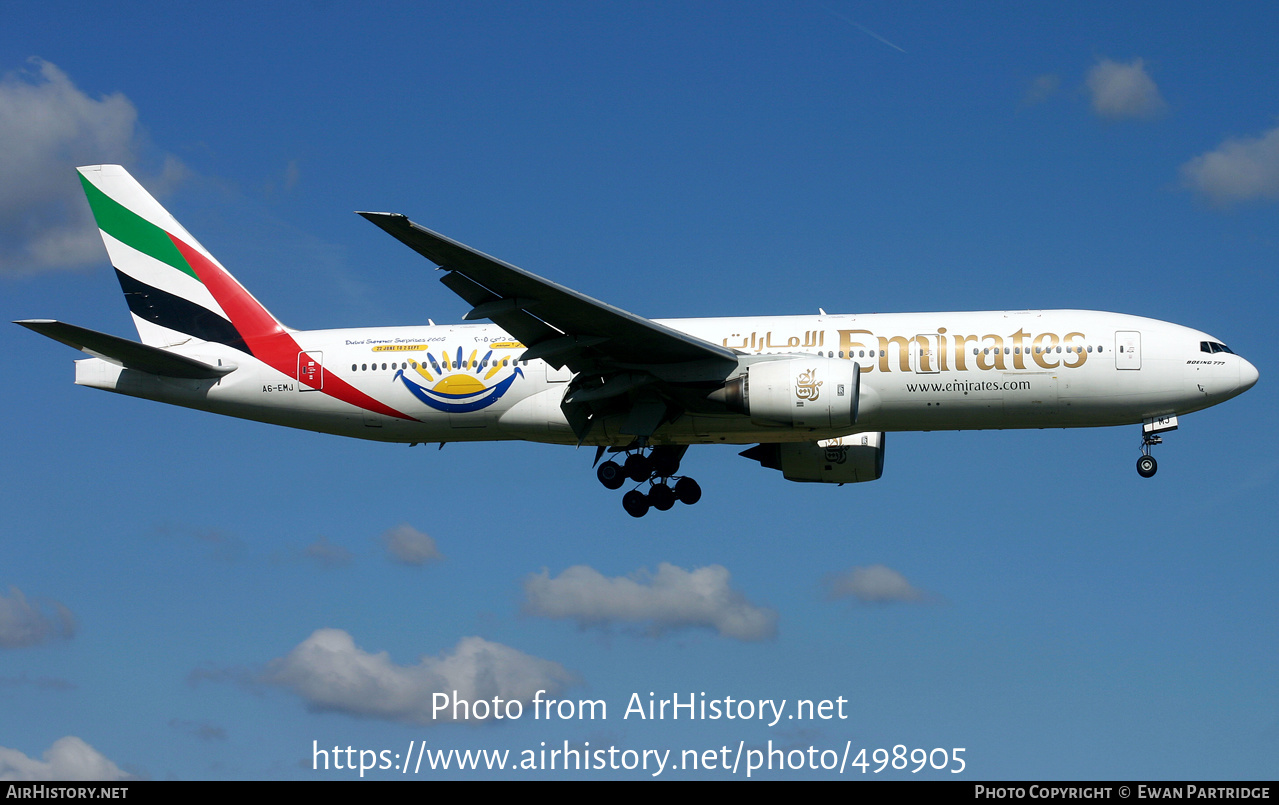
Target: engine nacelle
point(846, 460)
point(796, 392)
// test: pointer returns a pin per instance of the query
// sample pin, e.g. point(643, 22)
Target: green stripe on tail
point(132, 229)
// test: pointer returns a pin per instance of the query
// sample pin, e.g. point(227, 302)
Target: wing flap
point(516, 321)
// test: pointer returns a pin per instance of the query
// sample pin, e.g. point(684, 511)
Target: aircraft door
point(310, 371)
point(925, 353)
point(1127, 349)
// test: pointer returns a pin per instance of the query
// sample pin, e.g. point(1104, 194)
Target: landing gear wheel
point(635, 502)
point(662, 497)
point(687, 490)
point(638, 468)
point(665, 462)
point(1146, 466)
point(611, 475)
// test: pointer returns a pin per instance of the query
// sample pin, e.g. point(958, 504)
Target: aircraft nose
point(1248, 375)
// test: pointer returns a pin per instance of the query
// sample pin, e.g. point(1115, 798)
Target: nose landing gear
point(1146, 465)
point(657, 469)
point(1150, 430)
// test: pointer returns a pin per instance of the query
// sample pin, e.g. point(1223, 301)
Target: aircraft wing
point(557, 324)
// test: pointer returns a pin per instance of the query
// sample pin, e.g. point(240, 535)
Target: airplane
point(815, 395)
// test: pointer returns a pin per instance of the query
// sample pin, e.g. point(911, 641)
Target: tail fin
point(176, 290)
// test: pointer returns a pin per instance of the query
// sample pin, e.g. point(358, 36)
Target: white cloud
point(409, 546)
point(47, 128)
point(291, 174)
point(327, 554)
point(25, 624)
point(40, 682)
point(68, 758)
point(333, 674)
point(875, 584)
point(672, 598)
point(204, 730)
point(1123, 90)
point(1041, 88)
point(1238, 170)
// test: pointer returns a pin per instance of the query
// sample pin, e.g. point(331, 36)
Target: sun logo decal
point(458, 386)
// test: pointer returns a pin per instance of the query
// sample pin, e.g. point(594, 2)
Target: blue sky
point(164, 571)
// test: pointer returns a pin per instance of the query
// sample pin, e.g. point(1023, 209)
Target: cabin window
point(364, 367)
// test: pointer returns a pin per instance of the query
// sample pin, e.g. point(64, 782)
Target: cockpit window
point(1213, 346)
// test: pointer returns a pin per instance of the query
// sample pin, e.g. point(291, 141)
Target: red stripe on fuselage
point(266, 338)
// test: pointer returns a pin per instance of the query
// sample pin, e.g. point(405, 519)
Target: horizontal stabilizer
point(126, 353)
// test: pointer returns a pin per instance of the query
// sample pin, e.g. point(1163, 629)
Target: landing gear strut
point(1150, 430)
point(658, 468)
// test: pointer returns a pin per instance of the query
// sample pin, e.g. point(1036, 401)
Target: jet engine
point(796, 392)
point(846, 460)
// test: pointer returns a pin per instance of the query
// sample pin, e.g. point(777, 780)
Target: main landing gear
point(657, 469)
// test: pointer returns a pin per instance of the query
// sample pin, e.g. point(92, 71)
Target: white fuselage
point(919, 371)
